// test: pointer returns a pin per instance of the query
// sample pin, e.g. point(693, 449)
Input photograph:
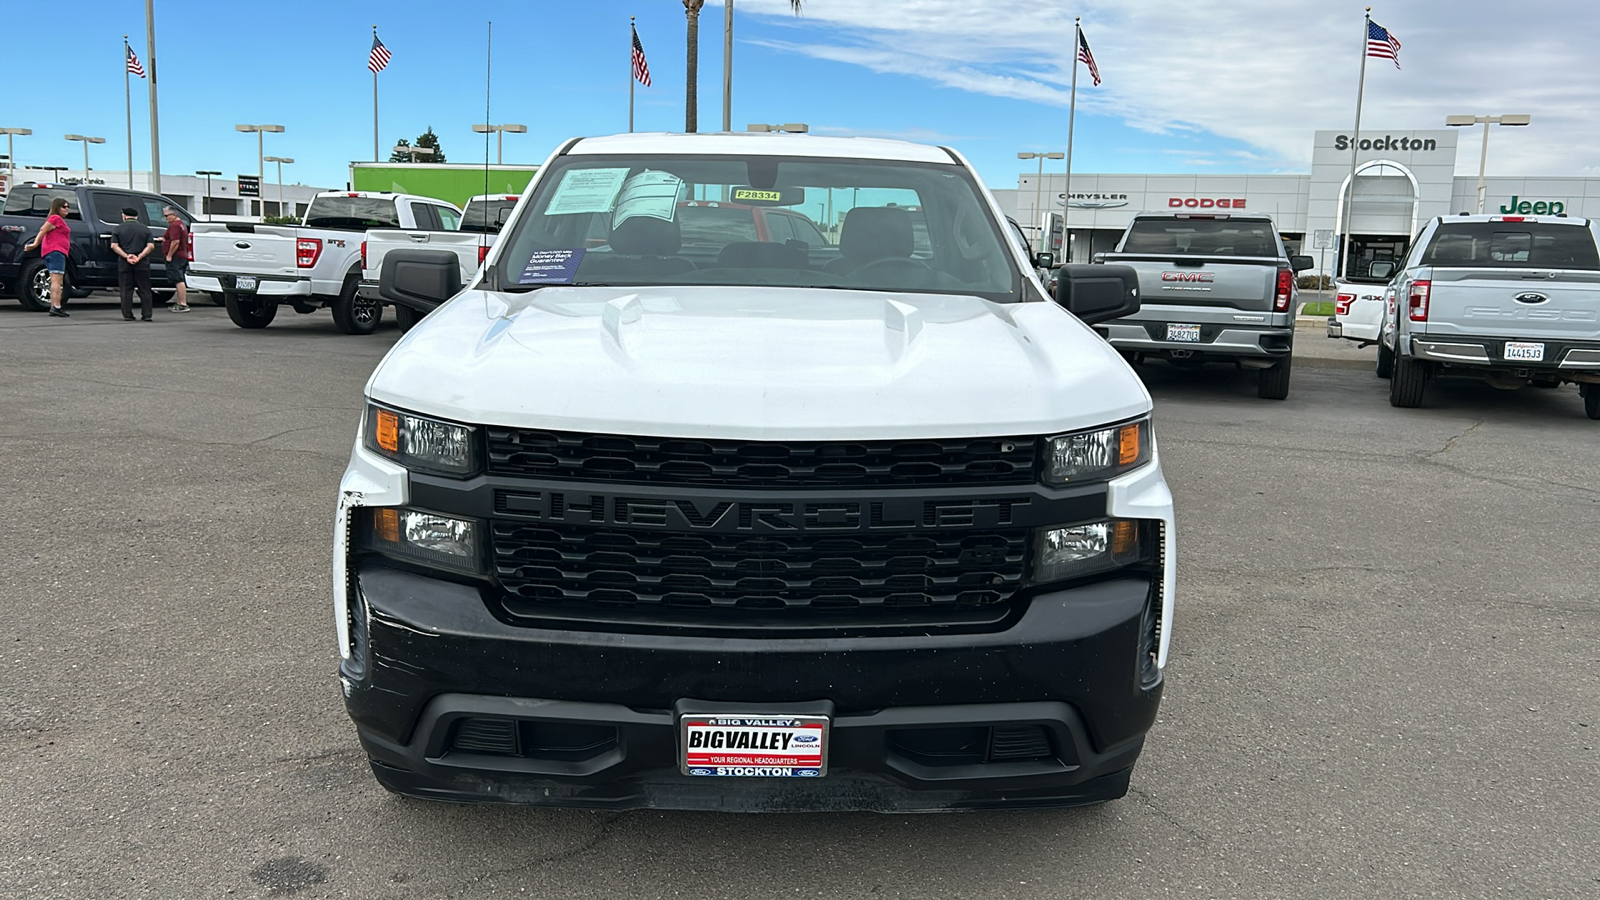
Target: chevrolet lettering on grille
point(761, 516)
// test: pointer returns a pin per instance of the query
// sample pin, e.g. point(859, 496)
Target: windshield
point(1517, 245)
point(761, 220)
point(1214, 237)
point(486, 216)
point(352, 213)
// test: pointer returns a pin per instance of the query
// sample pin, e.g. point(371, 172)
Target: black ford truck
point(96, 210)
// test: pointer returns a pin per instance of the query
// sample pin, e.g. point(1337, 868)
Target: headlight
point(422, 537)
point(418, 442)
point(1072, 551)
point(1097, 455)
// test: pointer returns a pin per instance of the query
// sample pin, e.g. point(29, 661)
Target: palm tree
point(691, 103)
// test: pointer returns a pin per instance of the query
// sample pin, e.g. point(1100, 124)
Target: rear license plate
point(754, 746)
point(1188, 333)
point(244, 283)
point(1524, 351)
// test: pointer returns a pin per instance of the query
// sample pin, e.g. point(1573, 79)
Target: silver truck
point(1513, 300)
point(1215, 287)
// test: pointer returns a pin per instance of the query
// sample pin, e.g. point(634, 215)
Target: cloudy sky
point(1197, 86)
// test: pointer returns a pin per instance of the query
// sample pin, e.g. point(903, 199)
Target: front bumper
point(1574, 357)
point(421, 654)
point(1217, 341)
point(430, 656)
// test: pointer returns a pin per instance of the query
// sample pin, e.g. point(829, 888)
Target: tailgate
point(1235, 283)
point(244, 249)
point(1513, 302)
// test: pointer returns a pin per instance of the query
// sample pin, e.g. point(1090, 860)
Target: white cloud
point(1262, 72)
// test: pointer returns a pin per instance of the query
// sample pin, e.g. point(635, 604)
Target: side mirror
point(419, 279)
point(1044, 259)
point(1384, 269)
point(1302, 263)
point(502, 217)
point(1097, 293)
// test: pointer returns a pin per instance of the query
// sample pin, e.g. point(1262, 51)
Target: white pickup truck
point(255, 268)
point(480, 225)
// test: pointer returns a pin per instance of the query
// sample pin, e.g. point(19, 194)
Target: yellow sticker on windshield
point(753, 195)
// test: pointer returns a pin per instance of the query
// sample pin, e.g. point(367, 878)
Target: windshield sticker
point(551, 267)
point(653, 194)
point(586, 191)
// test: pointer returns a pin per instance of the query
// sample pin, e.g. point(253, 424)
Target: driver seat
point(871, 233)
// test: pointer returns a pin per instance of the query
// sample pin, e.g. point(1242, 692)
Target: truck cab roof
point(762, 144)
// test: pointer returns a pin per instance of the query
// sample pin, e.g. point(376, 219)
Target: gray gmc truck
point(1216, 287)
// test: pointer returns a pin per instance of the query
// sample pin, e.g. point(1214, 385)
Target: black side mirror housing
point(1300, 263)
point(1097, 293)
point(419, 279)
point(1044, 259)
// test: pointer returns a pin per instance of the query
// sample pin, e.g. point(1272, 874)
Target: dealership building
point(1402, 179)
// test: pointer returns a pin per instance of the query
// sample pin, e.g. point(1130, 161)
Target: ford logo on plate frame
point(1531, 297)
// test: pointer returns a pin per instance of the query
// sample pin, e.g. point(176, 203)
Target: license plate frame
point(244, 283)
point(1523, 351)
point(761, 751)
point(1183, 334)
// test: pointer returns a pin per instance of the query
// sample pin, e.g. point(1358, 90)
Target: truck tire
point(256, 312)
point(1385, 361)
point(33, 287)
point(1591, 399)
point(1407, 380)
point(353, 314)
point(1273, 383)
point(407, 317)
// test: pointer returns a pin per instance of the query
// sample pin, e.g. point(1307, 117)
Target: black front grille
point(556, 569)
point(572, 456)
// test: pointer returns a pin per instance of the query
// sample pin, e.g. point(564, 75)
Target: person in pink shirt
point(54, 241)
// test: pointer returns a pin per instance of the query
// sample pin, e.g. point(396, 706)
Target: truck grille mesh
point(572, 456)
point(665, 574)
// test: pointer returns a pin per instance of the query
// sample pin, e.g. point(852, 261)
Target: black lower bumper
point(589, 718)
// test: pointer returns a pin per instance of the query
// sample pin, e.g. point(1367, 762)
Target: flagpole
point(127, 99)
point(632, 36)
point(374, 104)
point(1355, 143)
point(1072, 116)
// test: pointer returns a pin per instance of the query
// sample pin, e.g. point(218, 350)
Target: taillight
point(363, 254)
point(1417, 301)
point(1341, 304)
point(483, 251)
point(306, 251)
point(1285, 290)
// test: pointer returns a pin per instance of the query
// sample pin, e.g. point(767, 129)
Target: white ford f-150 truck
point(659, 513)
point(255, 268)
point(1513, 300)
point(480, 225)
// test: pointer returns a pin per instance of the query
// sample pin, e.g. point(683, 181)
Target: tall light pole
point(1038, 184)
point(1483, 158)
point(727, 65)
point(280, 160)
point(155, 119)
point(261, 165)
point(208, 173)
point(499, 132)
point(11, 155)
point(86, 142)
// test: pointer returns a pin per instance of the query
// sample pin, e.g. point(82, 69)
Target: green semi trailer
point(450, 182)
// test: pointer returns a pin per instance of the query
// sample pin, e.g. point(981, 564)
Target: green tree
point(398, 155)
point(431, 141)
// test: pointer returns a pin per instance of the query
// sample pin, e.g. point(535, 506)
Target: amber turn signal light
point(1128, 445)
point(389, 430)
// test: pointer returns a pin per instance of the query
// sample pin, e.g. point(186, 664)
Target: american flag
point(1382, 44)
point(379, 57)
point(641, 69)
point(1088, 58)
point(133, 62)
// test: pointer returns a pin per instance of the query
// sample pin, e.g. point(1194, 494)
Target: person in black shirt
point(131, 242)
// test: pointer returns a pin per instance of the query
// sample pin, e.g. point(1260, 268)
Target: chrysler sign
point(1092, 201)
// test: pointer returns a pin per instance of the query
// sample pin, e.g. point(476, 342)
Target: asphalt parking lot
point(1384, 677)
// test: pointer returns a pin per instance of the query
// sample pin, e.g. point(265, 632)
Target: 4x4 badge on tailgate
point(1531, 297)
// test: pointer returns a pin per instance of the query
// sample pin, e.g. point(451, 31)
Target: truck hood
point(757, 364)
